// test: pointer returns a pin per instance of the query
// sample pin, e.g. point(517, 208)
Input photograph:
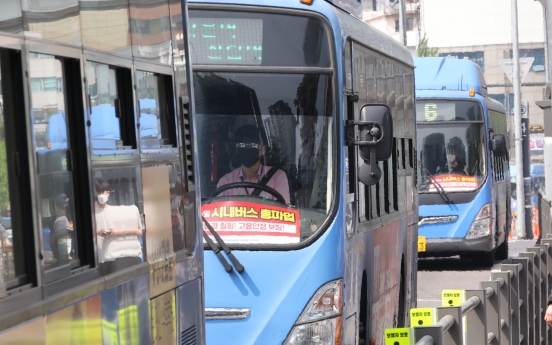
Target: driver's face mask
point(247, 154)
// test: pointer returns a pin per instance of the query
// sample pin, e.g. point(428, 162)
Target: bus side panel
point(30, 332)
point(126, 313)
point(386, 253)
point(190, 318)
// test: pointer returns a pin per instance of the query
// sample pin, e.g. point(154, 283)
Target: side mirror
point(498, 145)
point(375, 138)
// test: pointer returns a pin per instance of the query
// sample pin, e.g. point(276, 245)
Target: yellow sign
point(422, 317)
point(397, 336)
point(430, 111)
point(422, 244)
point(452, 298)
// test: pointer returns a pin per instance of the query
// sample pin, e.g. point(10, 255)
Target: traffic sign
point(524, 109)
point(422, 316)
point(524, 66)
point(452, 298)
point(397, 336)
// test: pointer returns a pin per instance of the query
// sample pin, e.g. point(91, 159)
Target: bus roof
point(439, 73)
point(353, 7)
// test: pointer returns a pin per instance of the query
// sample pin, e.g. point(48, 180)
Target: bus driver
point(249, 150)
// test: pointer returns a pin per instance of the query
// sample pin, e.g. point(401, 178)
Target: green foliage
point(4, 190)
point(423, 49)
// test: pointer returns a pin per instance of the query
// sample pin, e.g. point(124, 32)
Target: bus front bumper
point(457, 246)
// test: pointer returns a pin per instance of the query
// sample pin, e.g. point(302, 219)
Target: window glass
point(36, 84)
point(102, 89)
point(7, 267)
point(252, 124)
point(452, 157)
point(154, 111)
point(119, 223)
point(55, 182)
point(50, 84)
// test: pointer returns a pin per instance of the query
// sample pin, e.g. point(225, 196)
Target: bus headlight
point(320, 321)
point(325, 332)
point(482, 224)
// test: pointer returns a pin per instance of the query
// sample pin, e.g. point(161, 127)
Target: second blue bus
point(463, 180)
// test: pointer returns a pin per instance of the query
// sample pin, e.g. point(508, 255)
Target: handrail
point(470, 304)
point(447, 322)
point(489, 292)
point(426, 340)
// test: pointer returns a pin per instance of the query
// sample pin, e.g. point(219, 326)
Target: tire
point(502, 250)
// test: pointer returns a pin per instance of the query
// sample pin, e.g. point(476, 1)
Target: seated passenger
point(249, 150)
point(455, 158)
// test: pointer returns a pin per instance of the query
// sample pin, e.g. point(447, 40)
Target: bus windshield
point(451, 144)
point(253, 125)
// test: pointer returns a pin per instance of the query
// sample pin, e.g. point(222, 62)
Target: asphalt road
point(437, 274)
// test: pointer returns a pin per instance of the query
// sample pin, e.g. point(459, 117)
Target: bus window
point(55, 173)
point(119, 223)
point(11, 250)
point(451, 144)
point(111, 106)
point(254, 124)
point(157, 122)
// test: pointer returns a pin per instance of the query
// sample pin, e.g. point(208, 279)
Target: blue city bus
point(324, 250)
point(463, 174)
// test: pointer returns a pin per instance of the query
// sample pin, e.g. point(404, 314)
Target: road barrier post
point(513, 270)
point(530, 296)
point(455, 335)
point(544, 262)
point(505, 306)
point(475, 319)
point(537, 279)
point(493, 309)
point(523, 292)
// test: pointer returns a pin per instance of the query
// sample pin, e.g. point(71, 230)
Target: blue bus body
point(373, 257)
point(446, 224)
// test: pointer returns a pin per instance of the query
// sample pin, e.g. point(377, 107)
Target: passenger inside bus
point(62, 232)
point(249, 149)
point(455, 158)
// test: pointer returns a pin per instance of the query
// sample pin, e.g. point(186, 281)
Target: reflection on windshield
point(264, 154)
point(452, 155)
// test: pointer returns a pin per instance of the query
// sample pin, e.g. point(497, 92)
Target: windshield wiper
point(437, 185)
point(214, 248)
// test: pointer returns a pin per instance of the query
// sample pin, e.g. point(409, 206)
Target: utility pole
point(520, 221)
point(402, 22)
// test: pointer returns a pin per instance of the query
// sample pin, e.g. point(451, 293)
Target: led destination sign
point(226, 41)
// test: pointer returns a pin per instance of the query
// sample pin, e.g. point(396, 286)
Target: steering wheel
point(235, 185)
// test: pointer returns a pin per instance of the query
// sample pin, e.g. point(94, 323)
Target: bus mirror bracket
point(376, 140)
point(498, 145)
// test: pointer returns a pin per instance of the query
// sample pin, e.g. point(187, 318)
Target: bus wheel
point(502, 250)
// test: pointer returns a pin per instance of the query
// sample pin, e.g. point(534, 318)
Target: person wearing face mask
point(455, 158)
point(61, 239)
point(119, 229)
point(249, 150)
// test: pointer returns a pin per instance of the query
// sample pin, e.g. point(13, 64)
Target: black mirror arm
point(376, 132)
